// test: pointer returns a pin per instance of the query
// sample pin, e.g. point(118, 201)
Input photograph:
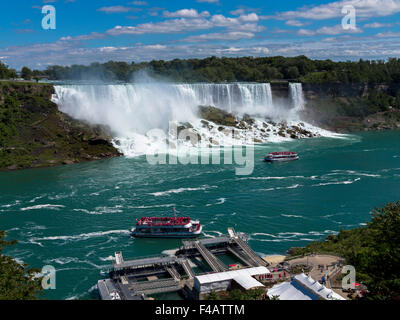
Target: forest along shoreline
point(35, 134)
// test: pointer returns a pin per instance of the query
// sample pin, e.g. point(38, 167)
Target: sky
point(89, 31)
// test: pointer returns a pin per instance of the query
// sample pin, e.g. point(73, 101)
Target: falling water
point(132, 110)
point(141, 107)
point(297, 96)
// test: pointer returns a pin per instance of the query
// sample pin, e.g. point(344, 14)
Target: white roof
point(303, 288)
point(287, 291)
point(247, 282)
point(318, 288)
point(229, 275)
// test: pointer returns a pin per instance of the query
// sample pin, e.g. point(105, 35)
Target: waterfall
point(297, 96)
point(141, 107)
point(132, 110)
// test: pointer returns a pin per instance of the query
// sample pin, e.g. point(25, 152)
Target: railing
point(174, 274)
point(313, 254)
point(188, 269)
point(153, 285)
point(212, 260)
point(239, 256)
point(258, 261)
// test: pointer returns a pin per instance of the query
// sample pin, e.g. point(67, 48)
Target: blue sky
point(104, 30)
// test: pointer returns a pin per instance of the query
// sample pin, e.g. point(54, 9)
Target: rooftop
point(242, 275)
point(303, 287)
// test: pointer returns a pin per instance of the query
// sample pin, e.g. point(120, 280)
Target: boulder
point(217, 116)
point(98, 140)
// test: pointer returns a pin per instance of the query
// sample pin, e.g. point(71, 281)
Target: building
point(244, 279)
point(303, 287)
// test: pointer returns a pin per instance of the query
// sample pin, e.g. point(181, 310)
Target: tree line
point(374, 251)
point(214, 69)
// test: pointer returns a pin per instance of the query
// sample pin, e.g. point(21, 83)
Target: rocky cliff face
point(33, 133)
point(349, 107)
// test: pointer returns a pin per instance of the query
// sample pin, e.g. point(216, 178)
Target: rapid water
point(76, 217)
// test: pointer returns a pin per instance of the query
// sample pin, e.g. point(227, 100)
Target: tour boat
point(281, 156)
point(167, 227)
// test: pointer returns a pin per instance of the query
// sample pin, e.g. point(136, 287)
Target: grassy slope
point(33, 133)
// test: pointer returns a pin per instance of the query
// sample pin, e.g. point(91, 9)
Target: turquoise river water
point(76, 217)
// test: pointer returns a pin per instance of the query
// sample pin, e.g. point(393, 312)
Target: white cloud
point(186, 13)
point(67, 53)
point(295, 23)
point(305, 32)
point(114, 9)
point(338, 29)
point(377, 25)
point(335, 30)
point(389, 34)
point(189, 23)
point(237, 12)
point(220, 36)
point(155, 47)
point(167, 27)
point(208, 1)
point(139, 3)
point(365, 9)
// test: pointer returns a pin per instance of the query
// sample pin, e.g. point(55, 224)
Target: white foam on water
point(62, 260)
point(337, 183)
point(102, 210)
point(62, 196)
point(220, 201)
point(109, 258)
point(37, 198)
point(180, 190)
point(44, 206)
point(295, 186)
point(353, 173)
point(83, 236)
point(154, 206)
point(272, 178)
point(291, 216)
point(15, 203)
point(290, 236)
point(208, 235)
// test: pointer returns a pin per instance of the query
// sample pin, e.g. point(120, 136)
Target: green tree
point(213, 296)
point(26, 73)
point(292, 72)
point(6, 73)
point(17, 282)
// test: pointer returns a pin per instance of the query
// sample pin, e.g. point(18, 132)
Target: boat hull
point(170, 235)
point(280, 160)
